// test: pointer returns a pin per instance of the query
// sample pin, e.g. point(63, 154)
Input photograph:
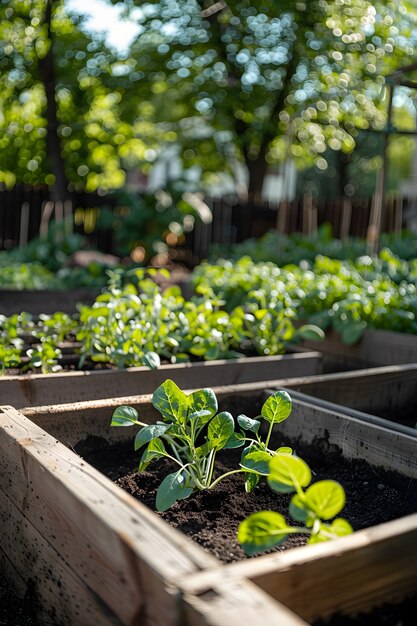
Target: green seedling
point(191, 434)
point(313, 506)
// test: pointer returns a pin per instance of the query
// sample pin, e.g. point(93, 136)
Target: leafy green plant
point(192, 433)
point(9, 357)
point(44, 356)
point(312, 505)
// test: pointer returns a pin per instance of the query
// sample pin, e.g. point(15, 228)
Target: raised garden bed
point(46, 301)
point(43, 389)
point(375, 348)
point(109, 560)
point(389, 392)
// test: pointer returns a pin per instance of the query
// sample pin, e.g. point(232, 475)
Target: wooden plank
point(46, 301)
point(34, 566)
point(348, 575)
point(232, 602)
point(357, 437)
point(376, 347)
point(43, 389)
point(389, 391)
point(108, 541)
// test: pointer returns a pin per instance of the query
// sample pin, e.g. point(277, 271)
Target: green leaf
point(277, 407)
point(154, 450)
point(284, 450)
point(248, 423)
point(326, 532)
point(310, 332)
point(152, 360)
point(288, 471)
point(256, 461)
point(326, 498)
point(203, 400)
point(171, 402)
point(298, 510)
point(124, 416)
point(251, 480)
point(262, 531)
point(352, 332)
point(220, 428)
point(237, 440)
point(171, 489)
point(147, 433)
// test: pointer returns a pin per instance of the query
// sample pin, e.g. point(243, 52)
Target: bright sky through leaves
point(102, 17)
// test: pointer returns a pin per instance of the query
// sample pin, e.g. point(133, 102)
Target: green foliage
point(252, 82)
point(192, 433)
point(313, 507)
point(44, 264)
point(148, 222)
point(348, 295)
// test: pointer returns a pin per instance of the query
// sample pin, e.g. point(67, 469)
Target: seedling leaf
point(124, 416)
point(287, 472)
point(171, 402)
point(277, 407)
point(220, 429)
point(147, 433)
point(171, 489)
point(262, 531)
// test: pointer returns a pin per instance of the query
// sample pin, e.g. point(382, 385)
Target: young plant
point(192, 433)
point(313, 508)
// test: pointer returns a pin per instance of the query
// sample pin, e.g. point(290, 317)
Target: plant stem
point(271, 425)
point(213, 484)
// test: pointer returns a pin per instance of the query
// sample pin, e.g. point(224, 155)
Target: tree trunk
point(257, 169)
point(58, 191)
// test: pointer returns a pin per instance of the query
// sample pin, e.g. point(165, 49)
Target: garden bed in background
point(46, 301)
point(30, 390)
point(376, 347)
point(58, 508)
point(389, 392)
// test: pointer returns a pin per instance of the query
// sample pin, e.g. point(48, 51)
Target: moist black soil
point(16, 611)
point(211, 518)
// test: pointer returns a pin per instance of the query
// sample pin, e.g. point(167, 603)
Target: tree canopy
point(253, 80)
point(60, 119)
point(249, 82)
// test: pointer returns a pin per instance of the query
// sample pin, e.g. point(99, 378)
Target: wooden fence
point(26, 212)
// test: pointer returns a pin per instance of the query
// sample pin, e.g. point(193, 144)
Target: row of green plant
point(45, 264)
point(191, 434)
point(134, 323)
point(349, 296)
point(285, 249)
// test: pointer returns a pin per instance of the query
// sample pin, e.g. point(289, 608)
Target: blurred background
point(152, 130)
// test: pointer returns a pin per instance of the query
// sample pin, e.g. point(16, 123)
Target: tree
point(60, 121)
point(254, 80)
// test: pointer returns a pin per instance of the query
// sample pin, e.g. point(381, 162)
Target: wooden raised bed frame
point(389, 392)
point(95, 555)
point(42, 389)
point(46, 301)
point(375, 348)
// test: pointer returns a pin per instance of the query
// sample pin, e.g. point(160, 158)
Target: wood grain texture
point(65, 387)
point(232, 602)
point(376, 347)
point(388, 391)
point(101, 537)
point(348, 575)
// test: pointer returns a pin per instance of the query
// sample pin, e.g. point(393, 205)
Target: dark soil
point(211, 518)
point(15, 611)
point(402, 614)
